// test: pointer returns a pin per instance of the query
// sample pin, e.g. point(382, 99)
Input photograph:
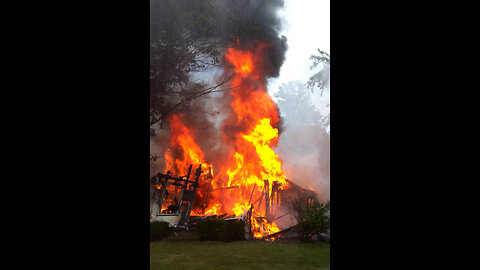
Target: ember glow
point(252, 167)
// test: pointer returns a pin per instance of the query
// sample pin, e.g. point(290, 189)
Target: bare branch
point(214, 89)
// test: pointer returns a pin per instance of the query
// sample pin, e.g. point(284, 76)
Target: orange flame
point(183, 138)
point(253, 163)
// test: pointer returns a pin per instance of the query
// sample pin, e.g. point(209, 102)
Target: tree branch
point(214, 89)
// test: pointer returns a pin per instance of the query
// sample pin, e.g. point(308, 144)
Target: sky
point(306, 24)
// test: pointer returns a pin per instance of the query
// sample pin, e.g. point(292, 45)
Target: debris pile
point(172, 199)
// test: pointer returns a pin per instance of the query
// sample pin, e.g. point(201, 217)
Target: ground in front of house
point(239, 255)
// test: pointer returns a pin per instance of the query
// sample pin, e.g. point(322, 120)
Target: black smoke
point(188, 38)
point(207, 27)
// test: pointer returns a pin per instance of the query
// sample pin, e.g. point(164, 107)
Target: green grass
point(238, 255)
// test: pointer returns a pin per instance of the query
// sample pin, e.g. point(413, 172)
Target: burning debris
point(210, 112)
point(249, 183)
point(238, 176)
point(252, 168)
point(165, 189)
point(163, 197)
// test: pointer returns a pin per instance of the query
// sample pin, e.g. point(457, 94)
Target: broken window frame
point(166, 180)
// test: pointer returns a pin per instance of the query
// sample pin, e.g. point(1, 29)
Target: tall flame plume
point(251, 132)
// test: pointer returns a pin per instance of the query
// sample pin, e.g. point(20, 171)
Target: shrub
point(210, 229)
point(159, 230)
point(312, 217)
point(220, 230)
point(233, 231)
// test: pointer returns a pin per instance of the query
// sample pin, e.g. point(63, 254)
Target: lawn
point(238, 255)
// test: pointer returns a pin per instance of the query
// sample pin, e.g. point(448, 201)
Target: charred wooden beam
point(222, 215)
point(281, 216)
point(274, 198)
point(248, 218)
point(261, 197)
point(205, 200)
point(278, 234)
point(253, 191)
point(267, 200)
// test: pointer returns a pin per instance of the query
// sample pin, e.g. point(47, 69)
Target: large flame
point(182, 140)
point(242, 177)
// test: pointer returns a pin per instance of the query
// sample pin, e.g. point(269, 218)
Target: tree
point(321, 79)
point(312, 216)
point(304, 144)
point(180, 43)
point(295, 104)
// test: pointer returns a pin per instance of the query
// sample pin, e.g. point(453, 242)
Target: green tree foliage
point(312, 216)
point(295, 104)
point(305, 141)
point(179, 45)
point(321, 79)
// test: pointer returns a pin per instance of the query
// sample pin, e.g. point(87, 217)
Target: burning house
point(245, 179)
point(165, 189)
